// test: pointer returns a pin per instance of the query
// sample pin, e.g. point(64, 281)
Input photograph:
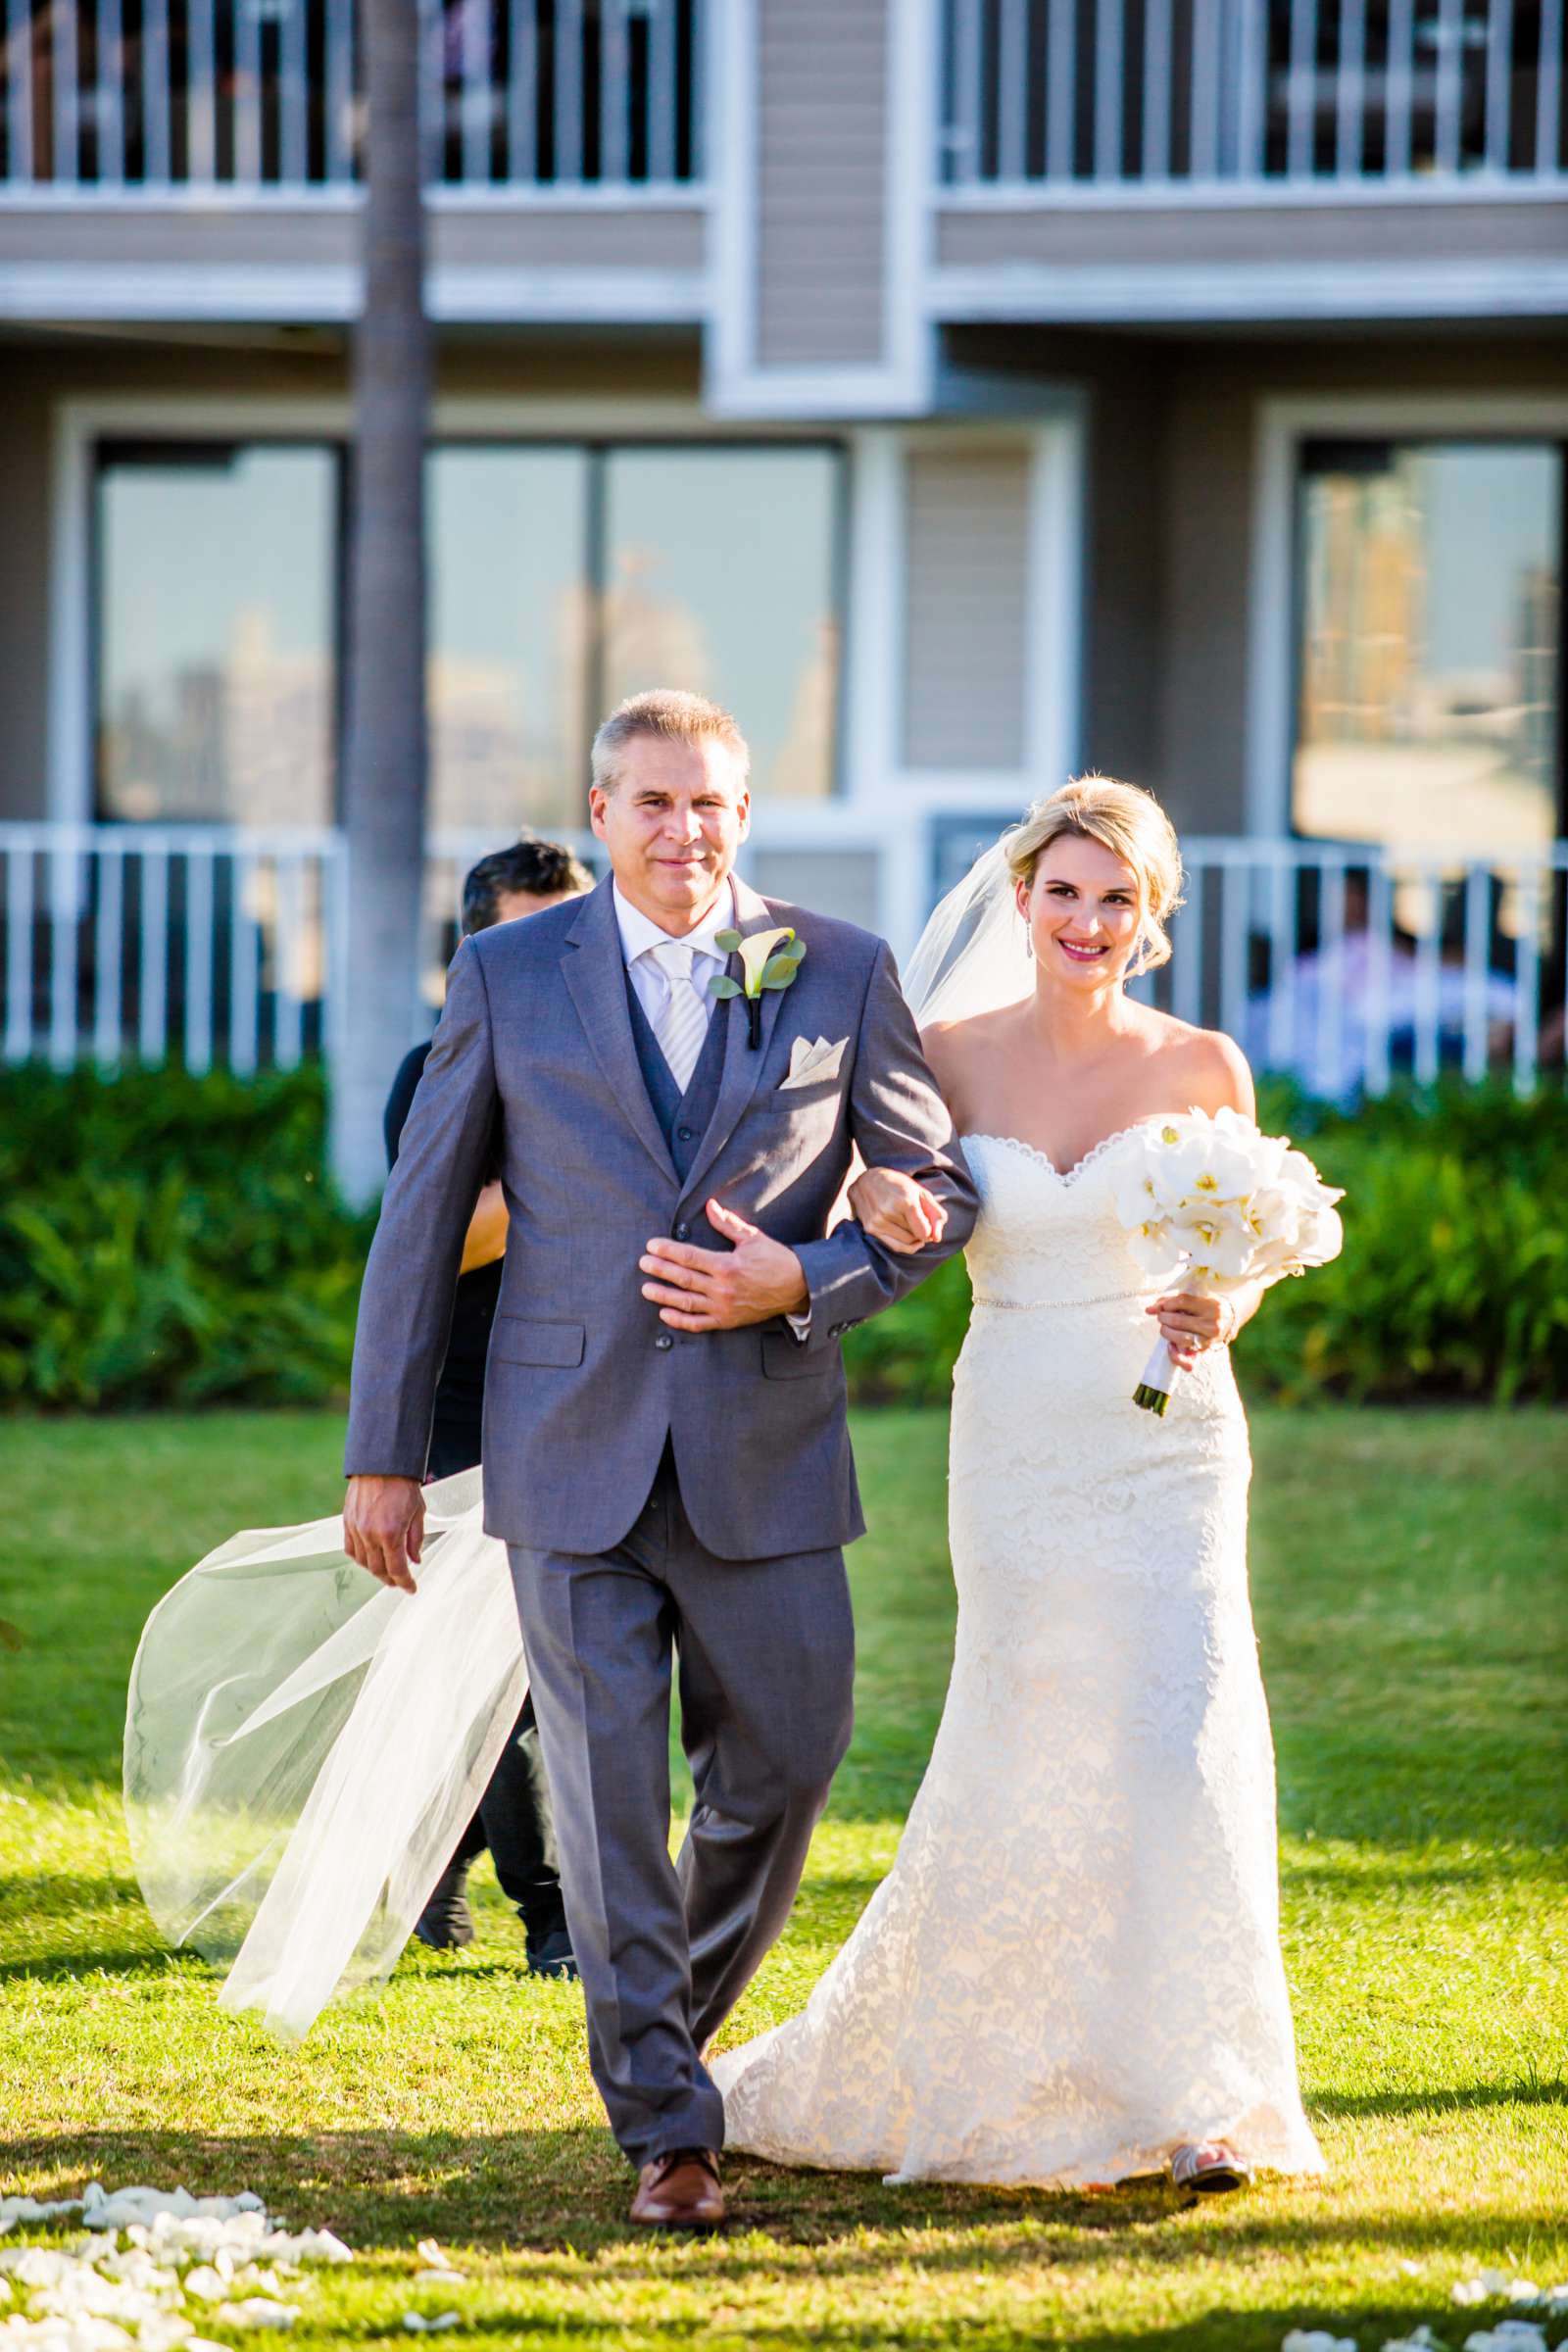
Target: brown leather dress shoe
point(679, 2190)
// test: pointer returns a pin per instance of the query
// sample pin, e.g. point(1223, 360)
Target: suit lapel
point(595, 971)
point(743, 1064)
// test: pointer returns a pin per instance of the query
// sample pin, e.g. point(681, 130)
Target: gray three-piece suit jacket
point(534, 1071)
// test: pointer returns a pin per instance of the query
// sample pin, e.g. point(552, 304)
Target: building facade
point(966, 391)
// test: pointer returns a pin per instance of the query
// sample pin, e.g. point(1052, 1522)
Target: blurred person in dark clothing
point(515, 1819)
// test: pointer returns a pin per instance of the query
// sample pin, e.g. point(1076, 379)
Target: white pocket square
point(810, 1064)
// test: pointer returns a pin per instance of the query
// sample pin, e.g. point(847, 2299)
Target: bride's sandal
point(1209, 2168)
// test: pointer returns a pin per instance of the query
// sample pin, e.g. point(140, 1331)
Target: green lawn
point(1411, 1601)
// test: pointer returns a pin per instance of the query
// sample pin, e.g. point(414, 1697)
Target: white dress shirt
point(639, 937)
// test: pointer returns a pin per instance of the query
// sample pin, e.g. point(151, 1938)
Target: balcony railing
point(1346, 967)
point(1219, 98)
point(164, 98)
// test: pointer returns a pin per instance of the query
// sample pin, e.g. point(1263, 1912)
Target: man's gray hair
point(676, 716)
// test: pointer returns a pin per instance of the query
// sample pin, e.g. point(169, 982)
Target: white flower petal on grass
point(439, 2278)
point(1510, 2335)
point(432, 2255)
point(32, 2209)
point(164, 2332)
point(1316, 2339)
point(1497, 2287)
point(1419, 2339)
point(417, 2325)
point(257, 2311)
point(319, 2245)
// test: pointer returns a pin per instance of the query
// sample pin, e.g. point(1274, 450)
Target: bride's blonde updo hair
point(1132, 825)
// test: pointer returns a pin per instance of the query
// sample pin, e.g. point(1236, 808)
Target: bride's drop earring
point(1028, 943)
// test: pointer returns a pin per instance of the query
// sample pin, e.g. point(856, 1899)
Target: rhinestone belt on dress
point(1030, 1305)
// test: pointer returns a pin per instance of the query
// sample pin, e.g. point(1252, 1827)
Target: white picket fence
point(224, 948)
point(1237, 98)
point(170, 97)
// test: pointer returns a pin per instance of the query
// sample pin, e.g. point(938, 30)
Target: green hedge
point(1453, 1282)
point(165, 1240)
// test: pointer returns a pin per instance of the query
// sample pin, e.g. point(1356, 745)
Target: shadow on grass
point(1533, 2089)
point(561, 2196)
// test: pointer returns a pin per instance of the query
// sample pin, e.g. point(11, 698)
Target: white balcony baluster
point(1351, 113)
point(1207, 66)
point(1060, 89)
point(293, 97)
point(157, 160)
point(1499, 84)
point(522, 94)
point(109, 103)
point(200, 96)
point(1450, 37)
point(199, 960)
point(247, 93)
point(478, 36)
point(66, 114)
point(1548, 92)
point(568, 89)
point(19, 950)
point(1109, 69)
point(339, 28)
point(1012, 112)
point(661, 85)
point(614, 75)
point(152, 916)
point(1156, 89)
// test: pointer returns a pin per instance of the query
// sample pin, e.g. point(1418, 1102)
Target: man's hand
point(715, 1290)
point(384, 1527)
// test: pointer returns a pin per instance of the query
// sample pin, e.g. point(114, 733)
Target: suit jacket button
point(664, 1340)
point(683, 1231)
point(686, 1134)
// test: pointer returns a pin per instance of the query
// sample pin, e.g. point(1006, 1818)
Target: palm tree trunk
point(386, 737)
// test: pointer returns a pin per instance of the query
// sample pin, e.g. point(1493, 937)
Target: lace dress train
point(1074, 1964)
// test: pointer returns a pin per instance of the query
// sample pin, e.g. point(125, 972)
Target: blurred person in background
point(1339, 987)
point(515, 1819)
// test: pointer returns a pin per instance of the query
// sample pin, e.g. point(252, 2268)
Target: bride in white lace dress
point(1072, 1972)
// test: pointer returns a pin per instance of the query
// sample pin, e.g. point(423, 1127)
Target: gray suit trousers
point(766, 1664)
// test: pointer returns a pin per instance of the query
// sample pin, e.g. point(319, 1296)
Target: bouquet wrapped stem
point(1153, 1392)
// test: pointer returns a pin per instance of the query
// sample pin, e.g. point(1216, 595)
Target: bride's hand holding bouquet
point(1234, 1210)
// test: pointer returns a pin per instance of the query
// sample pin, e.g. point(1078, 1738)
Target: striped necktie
point(681, 1022)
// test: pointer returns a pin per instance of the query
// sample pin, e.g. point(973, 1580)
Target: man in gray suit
point(665, 1449)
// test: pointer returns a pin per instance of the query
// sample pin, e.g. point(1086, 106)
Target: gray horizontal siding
point(1185, 234)
point(837, 882)
point(966, 592)
point(820, 180)
point(542, 237)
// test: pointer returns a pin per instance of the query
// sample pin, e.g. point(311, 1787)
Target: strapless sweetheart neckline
point(1098, 1151)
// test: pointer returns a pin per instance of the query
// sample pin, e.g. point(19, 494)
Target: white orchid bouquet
point(1214, 1200)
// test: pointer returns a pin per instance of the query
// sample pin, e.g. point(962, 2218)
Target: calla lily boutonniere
point(769, 960)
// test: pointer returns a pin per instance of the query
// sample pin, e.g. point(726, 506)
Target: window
point(511, 630)
point(215, 623)
point(718, 575)
point(1429, 589)
point(562, 576)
